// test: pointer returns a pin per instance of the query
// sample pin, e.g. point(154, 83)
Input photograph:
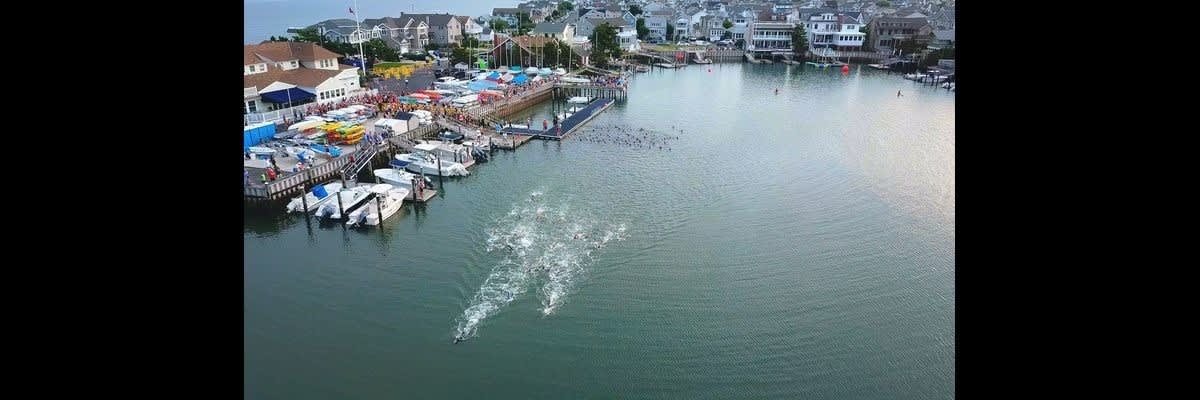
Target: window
point(294, 64)
point(252, 106)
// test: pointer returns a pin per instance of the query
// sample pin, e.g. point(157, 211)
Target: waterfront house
point(444, 29)
point(770, 35)
point(470, 28)
point(278, 75)
point(839, 31)
point(886, 33)
point(942, 39)
point(588, 25)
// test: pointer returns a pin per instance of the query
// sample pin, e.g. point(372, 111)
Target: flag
point(351, 10)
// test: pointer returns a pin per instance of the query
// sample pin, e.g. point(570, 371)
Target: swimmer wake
point(543, 246)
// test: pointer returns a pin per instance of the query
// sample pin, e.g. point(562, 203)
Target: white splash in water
point(540, 242)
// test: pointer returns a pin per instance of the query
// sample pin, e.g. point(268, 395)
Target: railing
point(296, 179)
point(296, 112)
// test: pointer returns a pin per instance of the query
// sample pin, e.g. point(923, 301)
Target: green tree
point(524, 24)
point(866, 30)
point(309, 35)
point(635, 9)
point(670, 31)
point(642, 30)
point(740, 43)
point(727, 24)
point(605, 45)
point(470, 42)
point(555, 15)
point(565, 7)
point(567, 57)
point(460, 55)
point(500, 25)
point(799, 40)
point(883, 3)
point(377, 49)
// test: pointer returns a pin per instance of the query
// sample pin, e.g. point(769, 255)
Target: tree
point(740, 43)
point(376, 48)
point(565, 7)
point(470, 42)
point(883, 3)
point(605, 45)
point(524, 24)
point(635, 9)
point(309, 35)
point(642, 30)
point(460, 55)
point(727, 24)
point(799, 40)
point(866, 29)
point(670, 31)
point(500, 25)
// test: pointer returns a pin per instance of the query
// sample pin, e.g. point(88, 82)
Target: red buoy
point(845, 68)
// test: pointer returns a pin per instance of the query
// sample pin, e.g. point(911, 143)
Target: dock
point(569, 125)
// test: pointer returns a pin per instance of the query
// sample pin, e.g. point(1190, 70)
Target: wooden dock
point(426, 195)
point(569, 125)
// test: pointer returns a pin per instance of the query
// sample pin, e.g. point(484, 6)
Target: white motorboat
point(388, 200)
point(575, 80)
point(399, 178)
point(424, 162)
point(257, 150)
point(350, 198)
point(531, 71)
point(317, 196)
point(579, 100)
point(914, 77)
point(560, 71)
point(449, 151)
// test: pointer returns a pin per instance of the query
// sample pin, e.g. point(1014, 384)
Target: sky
point(264, 18)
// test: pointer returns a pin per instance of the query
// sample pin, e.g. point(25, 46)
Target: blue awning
point(520, 79)
point(281, 96)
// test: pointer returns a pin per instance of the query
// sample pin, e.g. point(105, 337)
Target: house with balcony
point(444, 29)
point(629, 41)
point(657, 22)
point(834, 30)
point(770, 36)
point(886, 33)
point(470, 28)
point(278, 75)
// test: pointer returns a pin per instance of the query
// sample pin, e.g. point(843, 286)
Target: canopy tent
point(482, 85)
point(282, 96)
point(520, 80)
point(495, 76)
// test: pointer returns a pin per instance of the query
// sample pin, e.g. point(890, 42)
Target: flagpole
point(361, 57)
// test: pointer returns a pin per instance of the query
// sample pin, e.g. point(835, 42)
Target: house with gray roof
point(558, 30)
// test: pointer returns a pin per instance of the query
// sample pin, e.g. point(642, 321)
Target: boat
point(450, 151)
point(350, 198)
point(451, 136)
point(915, 76)
point(878, 66)
point(423, 161)
point(544, 71)
point(560, 71)
point(261, 151)
point(642, 68)
point(326, 150)
point(317, 196)
point(388, 200)
point(948, 85)
point(306, 125)
point(531, 71)
point(400, 178)
point(579, 100)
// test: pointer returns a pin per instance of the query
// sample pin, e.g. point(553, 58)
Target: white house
point(558, 30)
point(629, 41)
point(834, 30)
point(765, 35)
point(278, 75)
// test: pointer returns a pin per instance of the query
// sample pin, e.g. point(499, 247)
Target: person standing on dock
point(898, 93)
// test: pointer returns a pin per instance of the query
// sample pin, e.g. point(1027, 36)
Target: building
point(526, 51)
point(404, 34)
point(588, 25)
point(629, 41)
point(834, 30)
point(770, 35)
point(886, 33)
point(277, 75)
point(470, 28)
point(444, 29)
point(943, 39)
point(509, 15)
point(657, 24)
point(561, 31)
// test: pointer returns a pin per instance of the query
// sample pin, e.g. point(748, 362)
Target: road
point(419, 80)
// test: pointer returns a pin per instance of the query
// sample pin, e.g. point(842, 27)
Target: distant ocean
point(266, 18)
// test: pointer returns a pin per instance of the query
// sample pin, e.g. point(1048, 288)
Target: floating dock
point(568, 125)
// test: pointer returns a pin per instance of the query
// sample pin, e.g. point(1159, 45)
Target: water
point(798, 245)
